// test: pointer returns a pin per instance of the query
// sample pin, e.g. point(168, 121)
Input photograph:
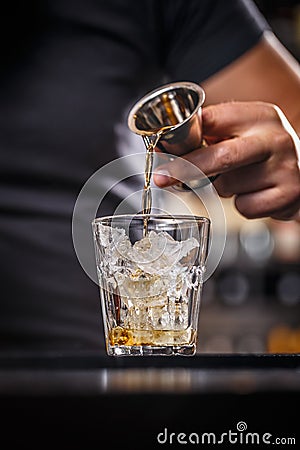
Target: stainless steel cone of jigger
point(172, 114)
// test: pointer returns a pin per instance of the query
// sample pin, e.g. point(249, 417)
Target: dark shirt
point(70, 72)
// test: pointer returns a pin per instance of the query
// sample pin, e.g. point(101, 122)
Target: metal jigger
point(172, 112)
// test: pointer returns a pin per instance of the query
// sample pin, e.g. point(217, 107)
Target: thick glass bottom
point(147, 350)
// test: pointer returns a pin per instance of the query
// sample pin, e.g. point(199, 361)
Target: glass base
point(147, 350)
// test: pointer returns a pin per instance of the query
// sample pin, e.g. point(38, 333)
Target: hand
point(255, 155)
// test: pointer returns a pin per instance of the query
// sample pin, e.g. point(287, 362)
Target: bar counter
point(92, 401)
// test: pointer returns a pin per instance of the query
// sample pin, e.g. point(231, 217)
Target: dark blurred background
point(284, 17)
point(251, 304)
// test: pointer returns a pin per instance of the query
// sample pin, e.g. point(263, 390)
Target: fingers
point(269, 189)
point(214, 159)
point(235, 118)
point(245, 180)
point(253, 153)
point(268, 203)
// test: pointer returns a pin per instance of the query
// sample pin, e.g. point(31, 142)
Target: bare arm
point(268, 72)
point(249, 105)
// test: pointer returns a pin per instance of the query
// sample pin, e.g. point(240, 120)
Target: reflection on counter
point(183, 380)
point(251, 304)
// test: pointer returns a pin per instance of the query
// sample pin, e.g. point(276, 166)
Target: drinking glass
point(150, 270)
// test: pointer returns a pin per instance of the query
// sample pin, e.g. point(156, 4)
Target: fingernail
point(162, 177)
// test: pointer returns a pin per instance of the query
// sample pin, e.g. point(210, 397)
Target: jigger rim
point(158, 91)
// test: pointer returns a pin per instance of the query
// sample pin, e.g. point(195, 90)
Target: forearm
point(267, 72)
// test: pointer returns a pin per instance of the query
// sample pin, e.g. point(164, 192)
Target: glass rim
point(175, 217)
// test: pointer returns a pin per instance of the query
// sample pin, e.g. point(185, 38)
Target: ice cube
point(156, 253)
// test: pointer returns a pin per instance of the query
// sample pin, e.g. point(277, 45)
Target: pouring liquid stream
point(150, 143)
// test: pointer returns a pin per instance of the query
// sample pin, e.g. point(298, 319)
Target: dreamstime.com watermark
point(238, 436)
